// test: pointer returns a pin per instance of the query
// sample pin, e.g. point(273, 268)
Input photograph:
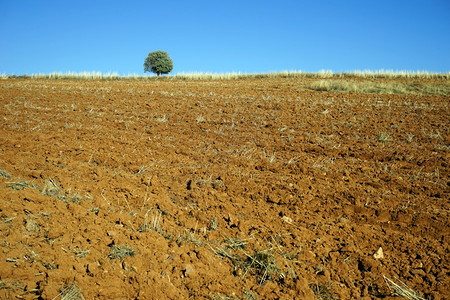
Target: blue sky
point(224, 36)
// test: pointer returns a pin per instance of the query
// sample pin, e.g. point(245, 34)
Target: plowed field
point(251, 188)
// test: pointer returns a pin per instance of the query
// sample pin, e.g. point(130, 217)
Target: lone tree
point(158, 62)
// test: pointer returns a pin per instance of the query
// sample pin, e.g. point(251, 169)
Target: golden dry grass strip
point(403, 88)
point(94, 75)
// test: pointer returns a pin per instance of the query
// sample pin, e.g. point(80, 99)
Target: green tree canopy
point(158, 62)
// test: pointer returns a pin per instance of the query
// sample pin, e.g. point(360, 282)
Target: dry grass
point(162, 119)
point(225, 253)
point(18, 290)
point(51, 189)
point(403, 88)
point(80, 253)
point(247, 294)
point(154, 224)
point(71, 292)
point(402, 290)
point(235, 243)
point(19, 185)
point(262, 264)
point(323, 292)
point(120, 252)
point(214, 224)
point(188, 237)
point(388, 74)
point(383, 137)
point(13, 285)
point(5, 174)
point(82, 75)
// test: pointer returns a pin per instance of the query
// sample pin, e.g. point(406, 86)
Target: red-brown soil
point(252, 188)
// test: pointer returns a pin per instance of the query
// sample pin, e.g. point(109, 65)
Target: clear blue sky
point(224, 36)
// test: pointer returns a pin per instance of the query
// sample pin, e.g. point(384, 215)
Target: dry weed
point(402, 290)
point(120, 252)
point(71, 292)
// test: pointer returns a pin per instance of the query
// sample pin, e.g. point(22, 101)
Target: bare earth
point(238, 189)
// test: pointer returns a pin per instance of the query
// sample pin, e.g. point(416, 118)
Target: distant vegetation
point(321, 74)
point(367, 87)
point(235, 75)
point(390, 82)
